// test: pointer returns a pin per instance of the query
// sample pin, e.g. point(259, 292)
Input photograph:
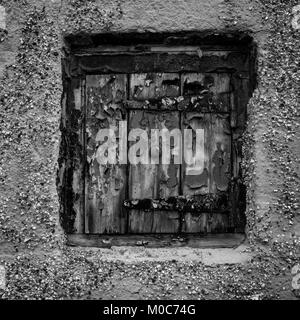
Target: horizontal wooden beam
point(198, 50)
point(225, 240)
point(159, 62)
point(195, 204)
point(185, 104)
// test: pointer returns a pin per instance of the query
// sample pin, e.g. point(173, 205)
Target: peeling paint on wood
point(195, 204)
point(220, 141)
point(105, 184)
point(71, 158)
point(153, 180)
point(162, 198)
point(151, 86)
point(208, 92)
point(196, 177)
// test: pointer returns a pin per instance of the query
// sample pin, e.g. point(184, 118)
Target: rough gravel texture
point(32, 244)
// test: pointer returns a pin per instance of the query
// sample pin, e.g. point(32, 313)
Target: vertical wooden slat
point(78, 175)
point(153, 181)
point(72, 129)
point(143, 182)
point(220, 157)
point(212, 175)
point(239, 99)
point(105, 183)
point(196, 179)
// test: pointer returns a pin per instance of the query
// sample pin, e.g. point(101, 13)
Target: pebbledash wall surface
point(35, 261)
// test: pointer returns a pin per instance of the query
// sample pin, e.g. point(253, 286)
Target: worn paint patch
point(206, 92)
point(154, 180)
point(105, 183)
point(152, 86)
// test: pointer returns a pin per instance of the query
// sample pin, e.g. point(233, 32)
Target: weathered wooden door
point(159, 198)
point(155, 88)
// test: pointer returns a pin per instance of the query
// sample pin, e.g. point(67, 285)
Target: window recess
point(204, 87)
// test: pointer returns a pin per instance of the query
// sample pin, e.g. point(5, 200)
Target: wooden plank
point(138, 49)
point(212, 174)
point(225, 240)
point(239, 100)
point(220, 153)
point(196, 176)
point(179, 103)
point(194, 223)
point(141, 221)
point(71, 166)
point(105, 183)
point(78, 176)
point(159, 62)
point(218, 223)
point(205, 223)
point(153, 180)
point(208, 92)
point(192, 204)
point(153, 86)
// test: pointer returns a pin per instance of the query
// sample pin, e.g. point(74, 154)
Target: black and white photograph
point(149, 151)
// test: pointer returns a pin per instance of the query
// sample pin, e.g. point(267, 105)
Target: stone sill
point(209, 250)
